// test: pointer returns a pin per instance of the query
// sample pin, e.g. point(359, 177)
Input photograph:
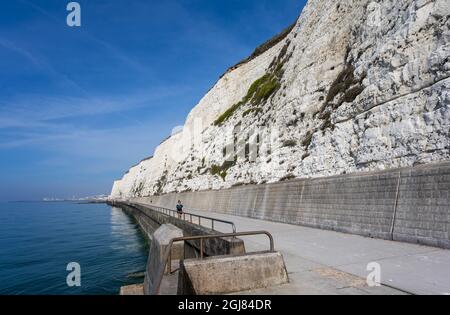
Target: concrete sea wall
point(217, 275)
point(150, 220)
point(407, 204)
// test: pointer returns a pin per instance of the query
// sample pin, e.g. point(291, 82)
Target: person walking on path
point(179, 209)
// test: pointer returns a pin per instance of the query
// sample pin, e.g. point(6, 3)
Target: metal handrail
point(190, 216)
point(167, 259)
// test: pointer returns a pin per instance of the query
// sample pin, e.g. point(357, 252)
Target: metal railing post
point(168, 253)
point(201, 248)
point(170, 260)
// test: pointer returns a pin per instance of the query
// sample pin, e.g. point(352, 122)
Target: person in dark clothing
point(179, 209)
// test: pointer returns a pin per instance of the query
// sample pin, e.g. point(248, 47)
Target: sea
point(68, 248)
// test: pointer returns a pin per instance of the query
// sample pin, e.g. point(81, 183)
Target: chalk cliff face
point(353, 86)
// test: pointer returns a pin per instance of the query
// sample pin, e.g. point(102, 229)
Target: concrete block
point(137, 289)
point(223, 275)
point(161, 240)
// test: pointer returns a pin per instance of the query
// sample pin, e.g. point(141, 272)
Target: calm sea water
point(39, 240)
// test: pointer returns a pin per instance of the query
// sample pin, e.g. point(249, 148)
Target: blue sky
point(79, 106)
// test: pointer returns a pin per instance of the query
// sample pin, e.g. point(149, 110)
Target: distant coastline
point(90, 199)
point(82, 200)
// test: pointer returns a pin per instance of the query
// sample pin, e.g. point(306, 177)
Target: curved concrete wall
point(408, 204)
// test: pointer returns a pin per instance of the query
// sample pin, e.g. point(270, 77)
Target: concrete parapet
point(137, 289)
point(212, 247)
point(161, 239)
point(223, 275)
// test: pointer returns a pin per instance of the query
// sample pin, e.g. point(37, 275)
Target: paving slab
point(405, 268)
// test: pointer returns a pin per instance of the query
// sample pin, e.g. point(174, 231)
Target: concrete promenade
point(326, 262)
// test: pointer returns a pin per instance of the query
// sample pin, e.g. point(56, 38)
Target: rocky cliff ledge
point(352, 86)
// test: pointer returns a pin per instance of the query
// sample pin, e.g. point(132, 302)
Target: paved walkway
point(326, 262)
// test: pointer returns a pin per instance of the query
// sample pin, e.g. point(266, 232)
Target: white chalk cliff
point(352, 86)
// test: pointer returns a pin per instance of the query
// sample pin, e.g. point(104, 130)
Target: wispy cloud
point(23, 52)
point(36, 119)
point(40, 63)
point(112, 50)
point(34, 108)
